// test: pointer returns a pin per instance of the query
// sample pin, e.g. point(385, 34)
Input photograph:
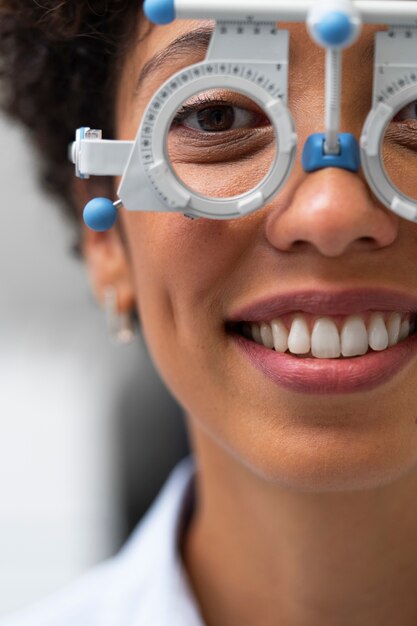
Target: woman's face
point(323, 232)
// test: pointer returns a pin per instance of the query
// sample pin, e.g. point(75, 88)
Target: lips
point(339, 302)
point(326, 376)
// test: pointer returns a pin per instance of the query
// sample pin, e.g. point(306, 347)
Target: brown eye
point(216, 119)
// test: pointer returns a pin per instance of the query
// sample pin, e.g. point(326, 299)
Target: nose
point(333, 211)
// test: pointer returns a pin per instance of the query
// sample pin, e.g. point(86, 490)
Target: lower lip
point(329, 376)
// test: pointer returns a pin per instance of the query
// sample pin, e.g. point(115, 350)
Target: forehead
point(161, 48)
point(154, 39)
point(159, 51)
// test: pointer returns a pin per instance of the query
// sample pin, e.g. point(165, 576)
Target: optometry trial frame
point(249, 54)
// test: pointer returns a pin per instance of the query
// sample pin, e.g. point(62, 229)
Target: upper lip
point(335, 302)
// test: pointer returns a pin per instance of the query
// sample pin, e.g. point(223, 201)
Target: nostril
point(299, 245)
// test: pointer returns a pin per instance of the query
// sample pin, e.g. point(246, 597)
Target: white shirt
point(144, 585)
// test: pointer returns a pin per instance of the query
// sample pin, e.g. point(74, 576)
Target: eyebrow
point(197, 40)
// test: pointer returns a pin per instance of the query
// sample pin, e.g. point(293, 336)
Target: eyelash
point(204, 102)
point(198, 104)
point(411, 106)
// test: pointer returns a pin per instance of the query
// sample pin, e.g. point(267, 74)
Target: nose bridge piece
point(315, 157)
point(334, 25)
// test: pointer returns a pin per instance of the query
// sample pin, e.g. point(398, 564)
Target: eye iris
point(214, 119)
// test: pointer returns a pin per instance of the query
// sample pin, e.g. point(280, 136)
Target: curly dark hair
point(58, 69)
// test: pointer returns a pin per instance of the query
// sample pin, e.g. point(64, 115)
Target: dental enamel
point(324, 338)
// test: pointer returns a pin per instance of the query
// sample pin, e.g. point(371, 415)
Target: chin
point(320, 460)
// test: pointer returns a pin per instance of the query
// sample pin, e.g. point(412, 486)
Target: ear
point(105, 254)
point(108, 265)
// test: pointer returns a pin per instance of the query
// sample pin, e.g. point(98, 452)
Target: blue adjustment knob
point(314, 158)
point(334, 28)
point(100, 214)
point(160, 11)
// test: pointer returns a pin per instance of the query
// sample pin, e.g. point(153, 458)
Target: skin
point(306, 508)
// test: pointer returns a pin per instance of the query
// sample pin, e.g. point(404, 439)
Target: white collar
point(151, 586)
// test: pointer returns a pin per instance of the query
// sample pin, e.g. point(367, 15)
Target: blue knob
point(334, 29)
point(100, 214)
point(160, 11)
point(314, 157)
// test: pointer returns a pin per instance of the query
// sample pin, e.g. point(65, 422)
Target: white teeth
point(266, 334)
point(256, 333)
point(354, 337)
point(393, 328)
point(325, 342)
point(377, 332)
point(404, 330)
point(280, 335)
point(299, 337)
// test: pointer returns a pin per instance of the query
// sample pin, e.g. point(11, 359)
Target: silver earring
point(119, 325)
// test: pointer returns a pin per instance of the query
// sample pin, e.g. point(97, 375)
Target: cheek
point(182, 269)
point(187, 274)
point(179, 269)
point(222, 171)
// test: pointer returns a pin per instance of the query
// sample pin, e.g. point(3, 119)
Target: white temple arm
point(100, 157)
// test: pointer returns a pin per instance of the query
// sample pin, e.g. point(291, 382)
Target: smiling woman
point(287, 335)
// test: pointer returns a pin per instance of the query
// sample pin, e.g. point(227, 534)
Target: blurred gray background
point(88, 433)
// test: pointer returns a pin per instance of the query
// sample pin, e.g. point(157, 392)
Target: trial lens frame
point(249, 54)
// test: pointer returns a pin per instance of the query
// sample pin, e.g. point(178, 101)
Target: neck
point(257, 553)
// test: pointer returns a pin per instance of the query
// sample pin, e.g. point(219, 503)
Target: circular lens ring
point(371, 154)
point(157, 122)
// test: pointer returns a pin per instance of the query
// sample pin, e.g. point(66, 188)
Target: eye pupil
point(215, 119)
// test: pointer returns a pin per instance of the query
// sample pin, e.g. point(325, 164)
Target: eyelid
point(403, 133)
point(412, 106)
point(188, 109)
point(217, 98)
